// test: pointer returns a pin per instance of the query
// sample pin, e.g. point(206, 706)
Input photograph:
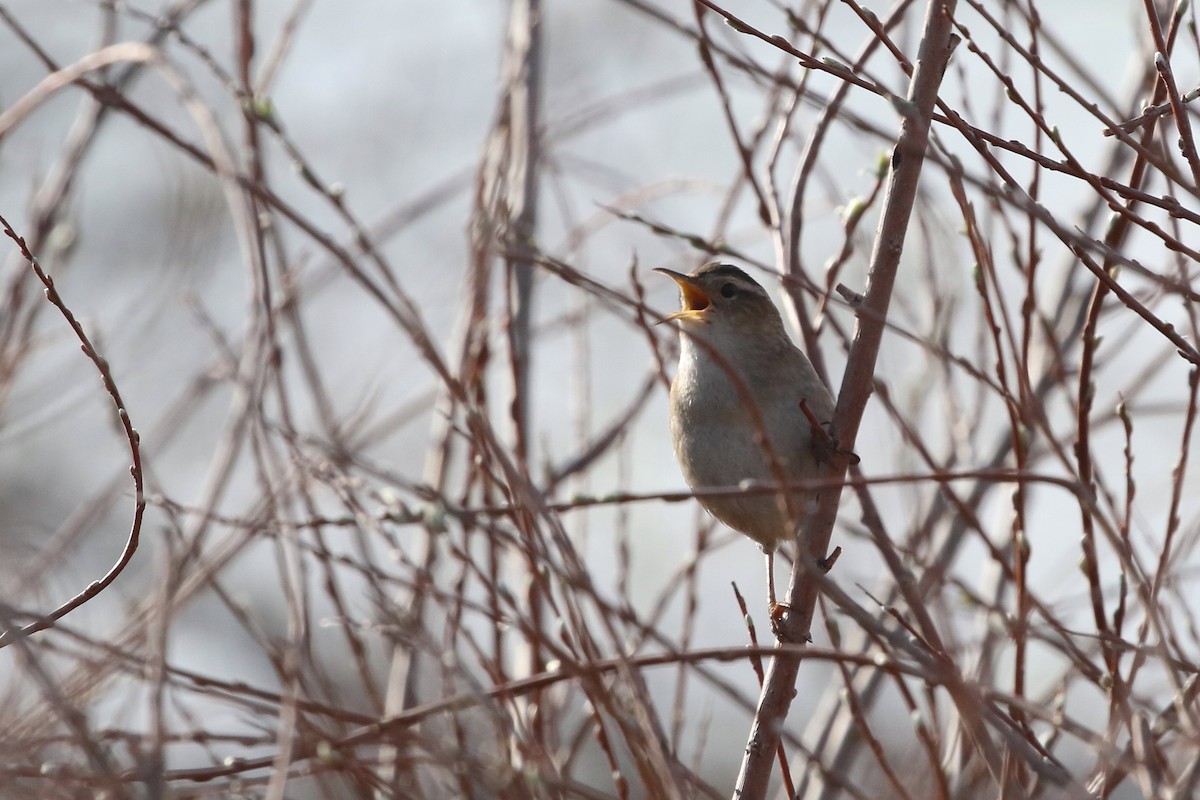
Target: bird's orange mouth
point(694, 299)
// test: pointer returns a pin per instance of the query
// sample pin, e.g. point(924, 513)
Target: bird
point(746, 406)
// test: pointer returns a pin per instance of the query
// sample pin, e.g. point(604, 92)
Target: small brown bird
point(741, 379)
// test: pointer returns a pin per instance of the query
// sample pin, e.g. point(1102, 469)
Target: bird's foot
point(777, 612)
point(826, 448)
point(785, 625)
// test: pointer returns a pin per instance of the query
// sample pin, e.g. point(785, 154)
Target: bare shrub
point(367, 294)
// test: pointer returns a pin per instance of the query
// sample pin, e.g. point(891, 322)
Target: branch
point(907, 158)
point(131, 435)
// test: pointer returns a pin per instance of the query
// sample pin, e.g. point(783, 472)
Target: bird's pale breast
point(719, 442)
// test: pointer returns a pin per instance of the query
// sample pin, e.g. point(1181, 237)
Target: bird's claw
point(785, 628)
point(826, 448)
point(776, 612)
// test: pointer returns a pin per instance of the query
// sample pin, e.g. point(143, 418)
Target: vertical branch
point(1115, 238)
point(1162, 47)
point(519, 201)
point(1021, 550)
point(515, 221)
point(516, 214)
point(745, 153)
point(790, 260)
point(907, 159)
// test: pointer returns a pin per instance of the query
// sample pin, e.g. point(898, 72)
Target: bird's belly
point(727, 455)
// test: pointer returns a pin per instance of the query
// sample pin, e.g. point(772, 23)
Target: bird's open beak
point(694, 299)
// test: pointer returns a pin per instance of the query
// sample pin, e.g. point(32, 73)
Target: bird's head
point(721, 297)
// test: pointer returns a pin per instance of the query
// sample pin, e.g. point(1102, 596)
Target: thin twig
point(93, 589)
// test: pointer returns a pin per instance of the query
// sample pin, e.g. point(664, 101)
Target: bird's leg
point(775, 609)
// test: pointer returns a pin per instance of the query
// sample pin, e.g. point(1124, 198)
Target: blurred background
point(373, 282)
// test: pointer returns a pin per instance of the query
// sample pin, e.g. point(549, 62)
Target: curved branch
point(135, 470)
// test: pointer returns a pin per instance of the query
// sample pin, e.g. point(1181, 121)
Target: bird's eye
point(728, 290)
